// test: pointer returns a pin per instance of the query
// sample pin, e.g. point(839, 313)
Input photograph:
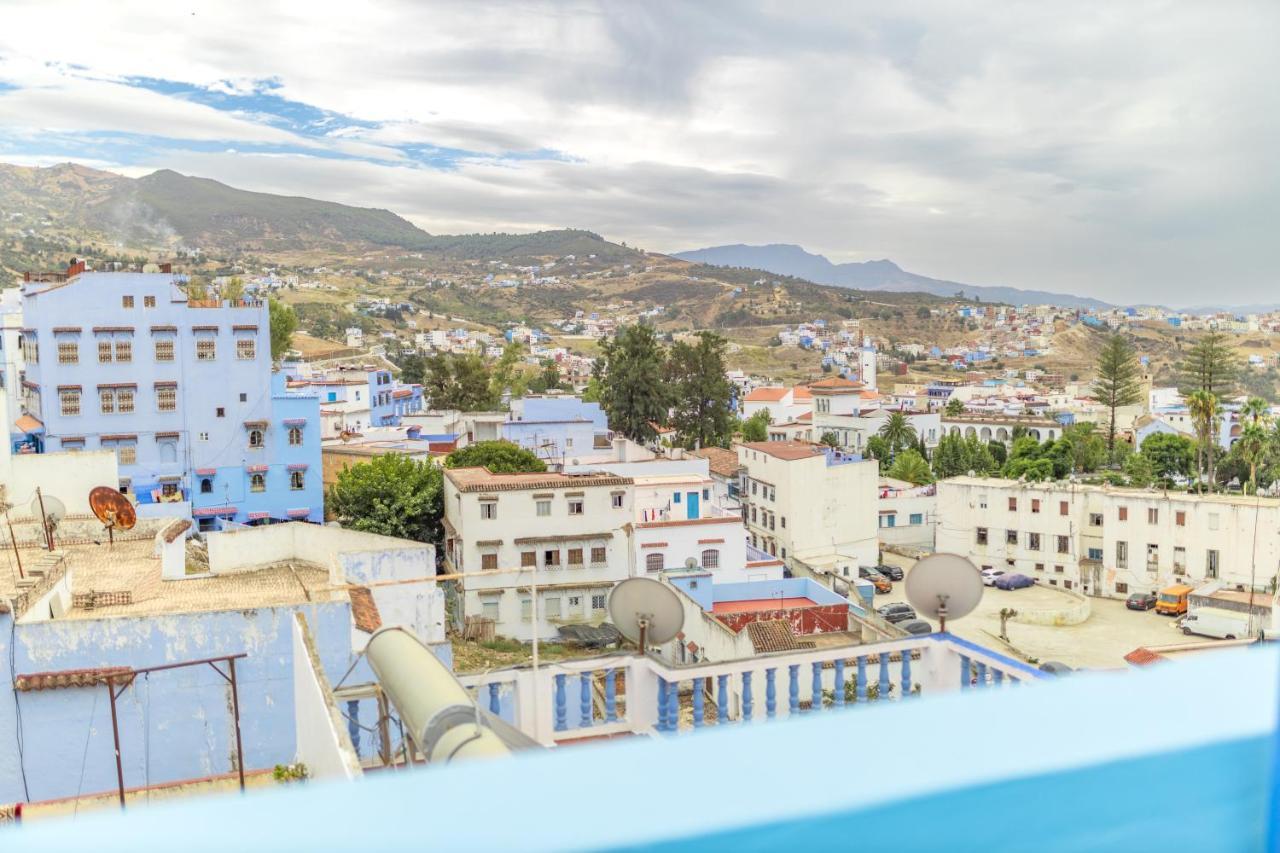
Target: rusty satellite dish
point(113, 509)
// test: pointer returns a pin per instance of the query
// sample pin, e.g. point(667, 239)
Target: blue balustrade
point(964, 672)
point(722, 699)
point(906, 673)
point(748, 702)
point(816, 704)
point(562, 704)
point(793, 689)
point(886, 683)
point(584, 708)
point(982, 674)
point(997, 676)
point(494, 704)
point(771, 692)
point(611, 695)
point(837, 695)
point(699, 703)
point(662, 704)
point(862, 679)
point(673, 707)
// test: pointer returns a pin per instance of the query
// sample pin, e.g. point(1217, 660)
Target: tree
point(233, 290)
point(283, 322)
point(1117, 383)
point(458, 382)
point(1203, 408)
point(1211, 366)
point(393, 495)
point(830, 439)
point(911, 466)
point(1170, 454)
point(413, 369)
point(955, 406)
point(1139, 470)
point(703, 396)
point(1255, 409)
point(591, 394)
point(898, 432)
point(1252, 446)
point(956, 456)
point(500, 457)
point(756, 427)
point(631, 389)
point(878, 449)
point(505, 381)
point(197, 288)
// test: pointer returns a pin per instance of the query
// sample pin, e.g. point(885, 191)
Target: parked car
point(1054, 667)
point(879, 581)
point(1013, 580)
point(897, 612)
point(1222, 624)
point(989, 576)
point(1141, 601)
point(893, 573)
point(916, 627)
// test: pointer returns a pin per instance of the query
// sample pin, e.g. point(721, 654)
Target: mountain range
point(789, 259)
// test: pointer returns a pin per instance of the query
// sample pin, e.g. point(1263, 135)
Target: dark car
point(1014, 581)
point(893, 573)
point(1054, 667)
point(916, 627)
point(1141, 601)
point(879, 581)
point(896, 613)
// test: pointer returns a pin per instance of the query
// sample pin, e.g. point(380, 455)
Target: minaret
point(867, 364)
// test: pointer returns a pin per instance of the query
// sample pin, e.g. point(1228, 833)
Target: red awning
point(26, 423)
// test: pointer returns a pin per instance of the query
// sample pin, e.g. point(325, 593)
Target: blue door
point(693, 505)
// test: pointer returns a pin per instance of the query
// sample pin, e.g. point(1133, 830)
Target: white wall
point(323, 744)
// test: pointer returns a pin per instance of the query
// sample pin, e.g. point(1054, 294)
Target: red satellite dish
point(113, 509)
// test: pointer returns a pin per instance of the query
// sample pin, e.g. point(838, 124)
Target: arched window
point(255, 438)
point(653, 563)
point(295, 436)
point(206, 486)
point(257, 482)
point(296, 480)
point(711, 559)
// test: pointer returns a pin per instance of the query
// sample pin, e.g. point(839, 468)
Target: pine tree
point(632, 392)
point(1117, 382)
point(1211, 365)
point(702, 411)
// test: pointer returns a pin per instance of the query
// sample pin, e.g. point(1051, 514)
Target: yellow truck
point(1172, 600)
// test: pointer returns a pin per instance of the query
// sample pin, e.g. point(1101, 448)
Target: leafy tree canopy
point(393, 495)
point(500, 457)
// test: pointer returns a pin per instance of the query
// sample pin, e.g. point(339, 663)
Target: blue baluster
point(862, 679)
point(838, 692)
point(673, 707)
point(494, 704)
point(662, 704)
point(722, 699)
point(771, 692)
point(982, 674)
point(906, 674)
point(816, 704)
point(562, 705)
point(611, 696)
point(584, 709)
point(748, 701)
point(699, 703)
point(793, 689)
point(885, 682)
point(998, 677)
point(964, 672)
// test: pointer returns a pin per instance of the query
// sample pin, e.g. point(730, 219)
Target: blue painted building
point(182, 390)
point(557, 428)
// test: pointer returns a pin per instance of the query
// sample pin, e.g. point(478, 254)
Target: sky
point(1119, 150)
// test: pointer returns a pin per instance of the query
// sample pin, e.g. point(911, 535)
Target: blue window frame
point(1095, 554)
point(675, 499)
point(917, 518)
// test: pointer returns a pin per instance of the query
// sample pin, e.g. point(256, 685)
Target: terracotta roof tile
point(1142, 656)
point(723, 463)
point(772, 635)
point(766, 395)
point(364, 611)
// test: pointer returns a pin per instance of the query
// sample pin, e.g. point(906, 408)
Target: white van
point(1223, 624)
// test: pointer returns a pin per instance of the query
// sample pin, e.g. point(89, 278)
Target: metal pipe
point(442, 719)
point(115, 734)
point(235, 710)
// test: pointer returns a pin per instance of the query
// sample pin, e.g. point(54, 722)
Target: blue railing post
point(816, 704)
point(662, 704)
point(562, 704)
point(673, 707)
point(748, 701)
point(886, 683)
point(862, 679)
point(997, 676)
point(722, 699)
point(964, 672)
point(495, 705)
point(699, 703)
point(611, 695)
point(771, 692)
point(793, 689)
point(584, 709)
point(982, 674)
point(906, 673)
point(837, 694)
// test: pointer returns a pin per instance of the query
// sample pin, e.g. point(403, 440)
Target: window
point(1122, 555)
point(295, 436)
point(528, 559)
point(126, 301)
point(246, 349)
point(675, 499)
point(706, 494)
point(148, 302)
point(551, 558)
point(1035, 505)
point(617, 500)
point(256, 438)
point(574, 557)
point(653, 563)
point(204, 436)
point(206, 349)
point(597, 556)
point(127, 454)
point(982, 501)
point(104, 351)
point(1211, 564)
point(1213, 521)
point(544, 508)
point(489, 562)
point(782, 519)
point(297, 480)
point(710, 559)
point(1033, 541)
point(220, 412)
point(1180, 518)
point(1095, 519)
point(1039, 567)
point(1011, 537)
point(107, 400)
point(598, 601)
point(1095, 554)
point(1122, 588)
point(70, 401)
point(982, 535)
point(73, 445)
point(489, 608)
point(489, 509)
point(1062, 507)
point(575, 605)
point(575, 507)
point(1153, 515)
point(1064, 544)
point(167, 398)
point(916, 518)
point(124, 400)
point(551, 607)
point(1013, 504)
point(526, 608)
point(124, 350)
point(1179, 560)
point(244, 398)
point(1123, 513)
point(1153, 556)
point(257, 482)
point(206, 486)
point(753, 487)
point(68, 352)
point(164, 349)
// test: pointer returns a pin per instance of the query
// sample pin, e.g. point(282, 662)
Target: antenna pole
point(14, 540)
point(44, 522)
point(644, 629)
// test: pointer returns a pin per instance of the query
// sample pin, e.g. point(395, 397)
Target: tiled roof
point(68, 678)
point(723, 463)
point(835, 385)
point(176, 529)
point(773, 635)
point(364, 611)
point(766, 395)
point(801, 392)
point(1142, 656)
point(483, 480)
point(788, 451)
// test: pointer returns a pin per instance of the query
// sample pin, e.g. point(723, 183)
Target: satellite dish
point(52, 509)
point(690, 563)
point(646, 611)
point(944, 585)
point(112, 509)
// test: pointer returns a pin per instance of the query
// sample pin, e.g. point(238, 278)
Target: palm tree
point(1255, 408)
point(898, 431)
point(1203, 407)
point(1253, 446)
point(912, 467)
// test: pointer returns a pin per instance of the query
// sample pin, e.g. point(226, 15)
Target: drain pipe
point(439, 714)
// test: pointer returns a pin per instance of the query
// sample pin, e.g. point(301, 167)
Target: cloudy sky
point(1123, 150)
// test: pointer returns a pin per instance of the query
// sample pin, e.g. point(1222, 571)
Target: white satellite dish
point(646, 611)
point(48, 507)
point(944, 585)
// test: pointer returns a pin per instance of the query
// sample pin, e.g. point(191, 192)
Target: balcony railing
point(630, 694)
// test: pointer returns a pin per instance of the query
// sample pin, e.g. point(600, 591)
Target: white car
point(989, 576)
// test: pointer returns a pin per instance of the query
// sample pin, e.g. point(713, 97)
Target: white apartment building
point(783, 404)
point(854, 431)
point(567, 534)
point(908, 514)
point(810, 503)
point(1108, 541)
point(996, 427)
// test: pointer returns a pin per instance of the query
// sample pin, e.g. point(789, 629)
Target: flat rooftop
point(761, 605)
point(484, 480)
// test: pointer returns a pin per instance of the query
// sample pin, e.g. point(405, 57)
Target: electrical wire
point(84, 758)
point(17, 706)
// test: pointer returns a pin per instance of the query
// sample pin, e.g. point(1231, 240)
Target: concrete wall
point(323, 744)
point(350, 556)
point(66, 476)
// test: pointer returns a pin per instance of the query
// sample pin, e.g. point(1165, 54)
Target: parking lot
point(1100, 642)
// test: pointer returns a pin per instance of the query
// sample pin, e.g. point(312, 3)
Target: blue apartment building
point(557, 428)
point(182, 390)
